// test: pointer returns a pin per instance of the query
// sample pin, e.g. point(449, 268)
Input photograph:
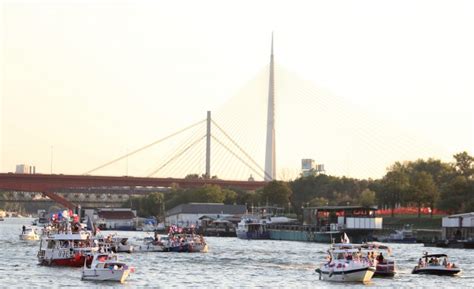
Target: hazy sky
point(90, 80)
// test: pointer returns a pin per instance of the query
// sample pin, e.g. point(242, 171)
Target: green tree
point(149, 205)
point(455, 195)
point(208, 194)
point(394, 186)
point(251, 198)
point(441, 172)
point(277, 193)
point(464, 164)
point(367, 198)
point(424, 190)
point(318, 202)
point(230, 197)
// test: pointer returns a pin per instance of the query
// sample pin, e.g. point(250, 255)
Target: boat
point(255, 227)
point(106, 267)
point(29, 234)
point(404, 235)
point(385, 267)
point(183, 240)
point(150, 244)
point(115, 243)
point(67, 249)
point(196, 243)
point(346, 265)
point(430, 264)
point(42, 220)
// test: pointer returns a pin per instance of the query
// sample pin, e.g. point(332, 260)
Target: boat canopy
point(345, 251)
point(375, 245)
point(346, 245)
point(434, 255)
point(74, 237)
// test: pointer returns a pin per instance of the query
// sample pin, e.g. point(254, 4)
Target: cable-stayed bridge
point(276, 118)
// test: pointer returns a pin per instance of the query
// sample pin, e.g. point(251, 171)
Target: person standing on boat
point(23, 229)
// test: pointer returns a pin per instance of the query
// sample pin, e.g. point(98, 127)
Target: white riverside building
point(186, 215)
point(459, 227)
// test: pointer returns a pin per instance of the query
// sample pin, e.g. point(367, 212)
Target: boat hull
point(148, 248)
point(354, 275)
point(179, 249)
point(29, 237)
point(67, 262)
point(253, 235)
point(385, 269)
point(437, 271)
point(198, 248)
point(105, 275)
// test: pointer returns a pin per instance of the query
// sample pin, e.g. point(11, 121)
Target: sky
point(360, 84)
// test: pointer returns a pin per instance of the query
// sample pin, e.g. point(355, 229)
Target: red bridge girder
point(47, 184)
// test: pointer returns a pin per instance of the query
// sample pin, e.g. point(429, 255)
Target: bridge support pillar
point(208, 146)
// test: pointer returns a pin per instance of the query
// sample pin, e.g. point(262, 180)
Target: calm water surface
point(230, 262)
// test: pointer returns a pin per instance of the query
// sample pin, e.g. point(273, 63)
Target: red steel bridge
point(48, 184)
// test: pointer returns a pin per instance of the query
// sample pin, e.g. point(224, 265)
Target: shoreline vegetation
point(434, 188)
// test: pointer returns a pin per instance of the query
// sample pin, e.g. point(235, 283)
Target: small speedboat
point(346, 265)
point(29, 234)
point(106, 267)
point(385, 267)
point(431, 264)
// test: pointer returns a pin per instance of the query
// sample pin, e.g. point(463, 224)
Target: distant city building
point(25, 169)
point(186, 215)
point(309, 167)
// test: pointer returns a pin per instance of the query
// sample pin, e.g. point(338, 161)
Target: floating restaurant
point(328, 223)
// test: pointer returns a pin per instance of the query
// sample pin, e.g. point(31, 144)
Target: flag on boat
point(345, 239)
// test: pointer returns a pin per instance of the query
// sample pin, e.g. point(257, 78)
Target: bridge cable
point(239, 158)
point(240, 148)
point(176, 156)
point(181, 145)
point(144, 147)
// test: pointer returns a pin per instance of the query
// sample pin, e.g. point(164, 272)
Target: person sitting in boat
point(329, 259)
point(380, 258)
point(445, 262)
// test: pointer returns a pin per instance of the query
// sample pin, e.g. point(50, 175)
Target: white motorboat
point(106, 267)
point(29, 234)
point(430, 264)
point(149, 244)
point(115, 243)
point(346, 265)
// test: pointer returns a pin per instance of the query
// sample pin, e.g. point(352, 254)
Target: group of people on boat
point(434, 261)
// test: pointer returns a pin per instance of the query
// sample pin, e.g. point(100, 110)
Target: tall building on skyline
point(25, 169)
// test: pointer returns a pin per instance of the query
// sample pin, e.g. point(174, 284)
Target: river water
point(230, 263)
